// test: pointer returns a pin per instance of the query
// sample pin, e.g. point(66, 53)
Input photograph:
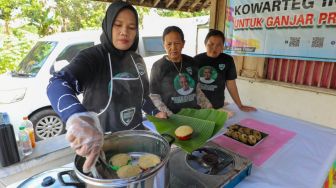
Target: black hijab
point(110, 16)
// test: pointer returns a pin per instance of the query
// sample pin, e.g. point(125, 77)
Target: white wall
point(201, 34)
point(154, 26)
point(293, 101)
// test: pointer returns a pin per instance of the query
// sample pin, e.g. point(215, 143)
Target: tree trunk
point(6, 27)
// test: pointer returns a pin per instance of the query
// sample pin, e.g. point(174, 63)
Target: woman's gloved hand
point(85, 136)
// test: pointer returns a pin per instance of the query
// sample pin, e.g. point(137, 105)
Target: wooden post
point(213, 15)
point(217, 14)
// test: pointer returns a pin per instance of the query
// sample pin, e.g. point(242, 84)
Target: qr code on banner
point(294, 41)
point(317, 42)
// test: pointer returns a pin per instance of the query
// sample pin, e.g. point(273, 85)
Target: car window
point(153, 46)
point(35, 59)
point(71, 51)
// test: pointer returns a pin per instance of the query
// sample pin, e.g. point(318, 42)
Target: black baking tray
point(236, 132)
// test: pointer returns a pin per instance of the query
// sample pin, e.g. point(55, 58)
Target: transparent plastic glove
point(85, 136)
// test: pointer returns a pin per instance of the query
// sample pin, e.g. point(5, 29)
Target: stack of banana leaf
point(204, 122)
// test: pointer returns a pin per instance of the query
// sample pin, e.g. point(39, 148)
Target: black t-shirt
point(118, 99)
point(92, 69)
point(176, 88)
point(213, 74)
point(129, 89)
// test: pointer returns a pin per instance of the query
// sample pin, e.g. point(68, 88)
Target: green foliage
point(40, 16)
point(29, 28)
point(65, 15)
point(74, 15)
point(14, 48)
point(141, 12)
point(6, 11)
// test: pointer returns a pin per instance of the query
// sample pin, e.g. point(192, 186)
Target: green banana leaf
point(219, 117)
point(202, 130)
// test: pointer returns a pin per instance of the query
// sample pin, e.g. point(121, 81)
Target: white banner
point(294, 29)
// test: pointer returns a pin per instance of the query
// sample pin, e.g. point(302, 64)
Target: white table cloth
point(303, 162)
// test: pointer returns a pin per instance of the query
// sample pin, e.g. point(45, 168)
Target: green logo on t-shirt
point(184, 84)
point(207, 74)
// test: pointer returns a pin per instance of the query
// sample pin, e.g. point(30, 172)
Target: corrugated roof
point(179, 5)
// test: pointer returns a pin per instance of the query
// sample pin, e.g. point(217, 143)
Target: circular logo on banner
point(184, 84)
point(207, 74)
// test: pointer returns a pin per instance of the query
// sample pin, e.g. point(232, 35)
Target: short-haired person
point(173, 80)
point(114, 83)
point(222, 72)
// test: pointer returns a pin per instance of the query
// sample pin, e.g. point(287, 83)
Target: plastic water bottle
point(30, 129)
point(24, 140)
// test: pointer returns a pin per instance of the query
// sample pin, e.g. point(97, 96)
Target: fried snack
point(234, 127)
point(183, 132)
point(244, 134)
point(120, 159)
point(236, 135)
point(247, 131)
point(257, 134)
point(241, 130)
point(128, 171)
point(229, 132)
point(243, 138)
point(251, 139)
point(148, 161)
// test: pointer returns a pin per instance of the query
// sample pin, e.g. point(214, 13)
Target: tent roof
point(179, 5)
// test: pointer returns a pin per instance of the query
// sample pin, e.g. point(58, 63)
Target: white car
point(23, 91)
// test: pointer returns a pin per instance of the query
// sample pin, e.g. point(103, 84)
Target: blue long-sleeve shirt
point(83, 76)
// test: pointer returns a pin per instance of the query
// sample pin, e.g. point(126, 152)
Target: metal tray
point(236, 132)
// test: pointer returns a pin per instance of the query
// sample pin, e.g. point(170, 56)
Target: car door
point(46, 122)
